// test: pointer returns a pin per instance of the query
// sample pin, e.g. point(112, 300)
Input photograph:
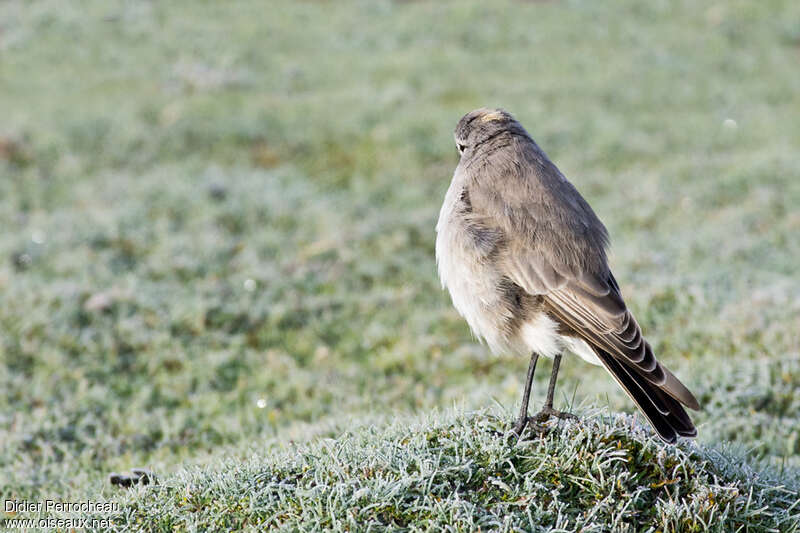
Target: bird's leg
point(547, 410)
point(522, 421)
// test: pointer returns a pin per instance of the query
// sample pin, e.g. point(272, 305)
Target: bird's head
point(480, 128)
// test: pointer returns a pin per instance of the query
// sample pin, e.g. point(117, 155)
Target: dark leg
point(548, 411)
point(522, 421)
point(551, 388)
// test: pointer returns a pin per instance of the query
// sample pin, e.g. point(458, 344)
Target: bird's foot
point(547, 412)
point(527, 422)
point(536, 422)
point(519, 427)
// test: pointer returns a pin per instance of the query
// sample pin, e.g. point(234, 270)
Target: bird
point(524, 258)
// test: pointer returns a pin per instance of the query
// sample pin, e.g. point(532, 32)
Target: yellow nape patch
point(494, 115)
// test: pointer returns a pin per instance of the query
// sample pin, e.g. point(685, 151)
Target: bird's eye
point(461, 148)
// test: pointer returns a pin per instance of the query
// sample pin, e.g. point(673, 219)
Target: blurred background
point(218, 218)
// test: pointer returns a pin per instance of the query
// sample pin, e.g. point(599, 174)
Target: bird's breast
point(471, 277)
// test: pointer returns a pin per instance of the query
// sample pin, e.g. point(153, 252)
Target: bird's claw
point(537, 421)
point(547, 412)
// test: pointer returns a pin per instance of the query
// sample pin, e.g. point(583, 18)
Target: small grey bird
point(524, 259)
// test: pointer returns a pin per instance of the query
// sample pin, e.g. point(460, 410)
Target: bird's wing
point(554, 246)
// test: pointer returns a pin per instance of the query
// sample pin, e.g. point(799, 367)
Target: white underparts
point(541, 336)
point(582, 350)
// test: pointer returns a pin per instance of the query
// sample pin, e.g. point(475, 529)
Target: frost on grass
point(462, 472)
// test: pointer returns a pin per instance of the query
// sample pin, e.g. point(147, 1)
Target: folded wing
point(555, 248)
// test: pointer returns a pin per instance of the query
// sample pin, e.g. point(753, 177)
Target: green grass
point(461, 472)
point(218, 236)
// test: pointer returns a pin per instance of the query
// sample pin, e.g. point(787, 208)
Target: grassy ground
point(459, 472)
point(218, 236)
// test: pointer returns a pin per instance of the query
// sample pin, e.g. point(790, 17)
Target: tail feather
point(665, 413)
point(678, 390)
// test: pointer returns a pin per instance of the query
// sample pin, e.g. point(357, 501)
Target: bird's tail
point(665, 413)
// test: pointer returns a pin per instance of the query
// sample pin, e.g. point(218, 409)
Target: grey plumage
point(524, 258)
